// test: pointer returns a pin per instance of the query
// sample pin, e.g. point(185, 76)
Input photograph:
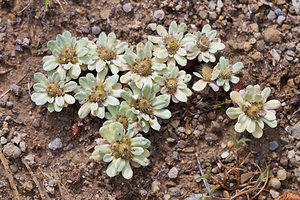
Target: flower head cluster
point(107, 53)
point(122, 114)
point(254, 110)
point(225, 73)
point(141, 66)
point(68, 55)
point(174, 83)
point(203, 44)
point(146, 105)
point(53, 90)
point(121, 149)
point(96, 93)
point(170, 44)
point(206, 77)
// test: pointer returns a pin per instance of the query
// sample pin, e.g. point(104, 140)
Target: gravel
point(275, 55)
point(275, 183)
point(271, 15)
point(281, 174)
point(159, 15)
point(273, 145)
point(11, 150)
point(127, 7)
point(96, 30)
point(16, 90)
point(55, 144)
point(280, 19)
point(173, 173)
point(277, 11)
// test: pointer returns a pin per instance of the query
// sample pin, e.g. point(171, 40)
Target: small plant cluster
point(131, 88)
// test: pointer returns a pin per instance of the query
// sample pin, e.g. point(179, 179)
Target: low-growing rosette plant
point(141, 66)
point(96, 93)
point(203, 44)
point(122, 114)
point(207, 77)
point(254, 110)
point(174, 83)
point(53, 90)
point(68, 55)
point(170, 47)
point(107, 53)
point(121, 149)
point(224, 72)
point(146, 105)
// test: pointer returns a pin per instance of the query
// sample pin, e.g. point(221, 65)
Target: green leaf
point(262, 176)
point(212, 191)
point(235, 141)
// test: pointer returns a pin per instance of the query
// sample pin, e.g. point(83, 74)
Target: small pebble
point(127, 7)
point(13, 168)
point(9, 105)
point(273, 145)
point(19, 48)
point(55, 144)
point(22, 146)
point(275, 183)
point(3, 140)
point(16, 90)
point(85, 29)
point(277, 11)
point(30, 159)
point(155, 186)
point(225, 154)
point(280, 19)
point(274, 193)
point(173, 173)
point(152, 26)
point(281, 174)
point(174, 191)
point(271, 15)
point(36, 123)
point(96, 30)
point(159, 14)
point(291, 154)
point(11, 150)
point(275, 55)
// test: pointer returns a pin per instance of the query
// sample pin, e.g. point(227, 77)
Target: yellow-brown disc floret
point(54, 90)
point(106, 54)
point(206, 73)
point(99, 94)
point(122, 149)
point(253, 110)
point(171, 85)
point(172, 45)
point(68, 55)
point(203, 43)
point(143, 67)
point(226, 73)
point(144, 105)
point(123, 120)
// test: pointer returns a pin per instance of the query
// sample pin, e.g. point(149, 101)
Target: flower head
point(107, 53)
point(203, 44)
point(170, 44)
point(225, 73)
point(96, 93)
point(53, 90)
point(207, 77)
point(121, 149)
point(174, 83)
point(141, 66)
point(254, 110)
point(146, 105)
point(122, 114)
point(69, 55)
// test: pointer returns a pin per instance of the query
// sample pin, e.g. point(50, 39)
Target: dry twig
point(8, 174)
point(41, 189)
